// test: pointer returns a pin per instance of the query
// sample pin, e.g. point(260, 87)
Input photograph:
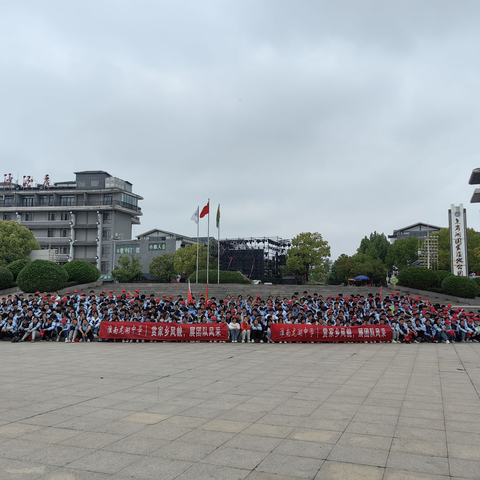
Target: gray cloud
point(342, 117)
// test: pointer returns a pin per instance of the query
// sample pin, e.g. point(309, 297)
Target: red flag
point(205, 210)
point(206, 295)
point(189, 295)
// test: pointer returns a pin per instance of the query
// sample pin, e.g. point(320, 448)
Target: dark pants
point(256, 335)
point(8, 334)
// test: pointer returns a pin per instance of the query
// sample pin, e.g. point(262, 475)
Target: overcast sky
point(337, 116)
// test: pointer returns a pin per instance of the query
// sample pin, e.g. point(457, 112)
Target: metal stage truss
point(259, 258)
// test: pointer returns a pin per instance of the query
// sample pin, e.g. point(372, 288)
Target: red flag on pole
point(205, 210)
point(189, 295)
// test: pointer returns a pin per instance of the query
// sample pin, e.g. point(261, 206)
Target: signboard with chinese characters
point(283, 332)
point(172, 332)
point(458, 240)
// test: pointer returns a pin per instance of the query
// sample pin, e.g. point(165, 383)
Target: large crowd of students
point(77, 316)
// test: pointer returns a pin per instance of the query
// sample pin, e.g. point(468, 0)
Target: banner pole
point(218, 248)
point(208, 242)
point(198, 236)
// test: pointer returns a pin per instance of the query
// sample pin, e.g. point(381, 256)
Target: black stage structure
point(259, 258)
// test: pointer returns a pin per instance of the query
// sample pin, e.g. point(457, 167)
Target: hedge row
point(441, 281)
point(46, 276)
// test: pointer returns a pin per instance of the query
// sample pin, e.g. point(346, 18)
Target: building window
point(107, 217)
point(106, 250)
point(104, 267)
point(9, 201)
point(107, 199)
point(51, 232)
point(51, 216)
point(29, 217)
point(129, 201)
point(64, 249)
point(64, 216)
point(63, 232)
point(67, 200)
point(27, 201)
point(107, 234)
point(7, 216)
point(46, 200)
point(157, 246)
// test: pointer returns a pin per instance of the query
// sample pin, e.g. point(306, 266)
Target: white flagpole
point(208, 240)
point(218, 248)
point(198, 236)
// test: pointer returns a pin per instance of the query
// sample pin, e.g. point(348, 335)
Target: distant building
point(475, 180)
point(417, 230)
point(77, 220)
point(150, 244)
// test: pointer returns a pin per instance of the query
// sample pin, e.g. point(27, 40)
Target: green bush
point(477, 280)
point(6, 278)
point(43, 276)
point(81, 272)
point(442, 274)
point(418, 277)
point(225, 277)
point(17, 266)
point(460, 287)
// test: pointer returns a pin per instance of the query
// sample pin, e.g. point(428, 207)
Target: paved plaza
point(194, 411)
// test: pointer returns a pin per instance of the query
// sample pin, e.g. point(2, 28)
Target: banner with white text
point(172, 332)
point(283, 332)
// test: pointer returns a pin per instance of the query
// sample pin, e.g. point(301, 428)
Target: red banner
point(284, 332)
point(172, 332)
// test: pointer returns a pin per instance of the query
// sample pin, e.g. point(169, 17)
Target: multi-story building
point(417, 230)
point(79, 220)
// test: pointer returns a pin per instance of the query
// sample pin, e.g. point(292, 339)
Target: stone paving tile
point(155, 467)
point(302, 467)
point(359, 455)
point(418, 463)
point(348, 471)
point(464, 468)
point(392, 474)
point(235, 458)
point(407, 445)
point(205, 471)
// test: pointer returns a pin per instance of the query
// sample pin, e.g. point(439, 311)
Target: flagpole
point(218, 248)
point(208, 240)
point(198, 236)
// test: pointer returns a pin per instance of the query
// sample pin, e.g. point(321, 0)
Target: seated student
point(72, 331)
point(461, 332)
point(440, 331)
point(8, 329)
point(257, 332)
point(33, 330)
point(47, 329)
point(476, 330)
point(403, 331)
point(234, 329)
point(245, 328)
point(395, 334)
point(419, 331)
point(429, 334)
point(85, 332)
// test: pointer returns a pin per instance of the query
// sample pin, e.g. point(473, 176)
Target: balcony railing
point(78, 203)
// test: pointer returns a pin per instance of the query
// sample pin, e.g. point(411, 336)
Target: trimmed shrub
point(460, 287)
point(17, 266)
point(42, 275)
point(6, 278)
point(225, 277)
point(442, 274)
point(81, 272)
point(418, 277)
point(476, 280)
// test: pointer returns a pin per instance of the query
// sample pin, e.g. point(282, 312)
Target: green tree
point(473, 249)
point(341, 269)
point(16, 242)
point(127, 269)
point(162, 267)
point(402, 253)
point(308, 251)
point(376, 246)
point(185, 259)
